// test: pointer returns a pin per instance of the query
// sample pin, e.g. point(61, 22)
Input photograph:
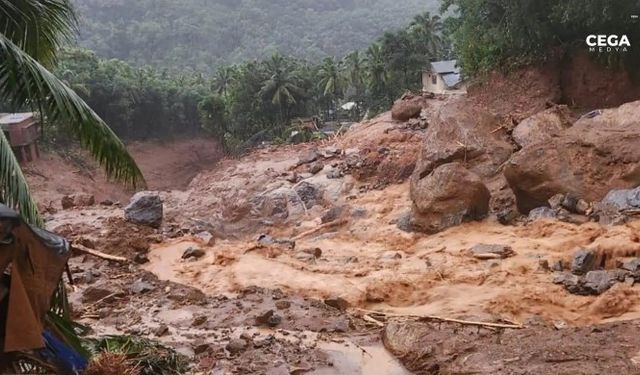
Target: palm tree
point(223, 79)
point(355, 65)
point(376, 69)
point(31, 32)
point(331, 81)
point(281, 87)
point(427, 31)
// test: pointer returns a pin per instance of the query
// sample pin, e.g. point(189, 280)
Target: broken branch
point(319, 228)
point(98, 254)
point(443, 319)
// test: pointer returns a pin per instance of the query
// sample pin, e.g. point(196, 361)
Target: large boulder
point(460, 131)
point(543, 125)
point(448, 196)
point(407, 107)
point(597, 154)
point(145, 208)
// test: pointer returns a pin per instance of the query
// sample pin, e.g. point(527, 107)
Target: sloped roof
point(447, 66)
point(15, 118)
point(451, 79)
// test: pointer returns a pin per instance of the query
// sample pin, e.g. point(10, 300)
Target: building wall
point(427, 83)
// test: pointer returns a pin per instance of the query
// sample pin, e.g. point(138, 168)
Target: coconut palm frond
point(13, 186)
point(38, 27)
point(24, 80)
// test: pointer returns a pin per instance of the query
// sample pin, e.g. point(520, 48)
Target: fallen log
point(443, 319)
point(98, 254)
point(319, 228)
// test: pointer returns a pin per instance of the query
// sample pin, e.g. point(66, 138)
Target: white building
point(442, 77)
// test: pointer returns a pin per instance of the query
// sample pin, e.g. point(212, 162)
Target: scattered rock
point(557, 266)
point(145, 208)
point(543, 126)
point(491, 251)
point(616, 205)
point(282, 304)
point(391, 255)
point(141, 258)
point(261, 341)
point(77, 200)
point(161, 330)
point(140, 287)
point(632, 265)
point(316, 252)
point(201, 348)
point(583, 262)
point(333, 214)
point(334, 173)
point(337, 303)
point(193, 252)
point(315, 168)
point(198, 321)
point(309, 157)
point(269, 318)
point(206, 238)
point(267, 240)
point(95, 293)
point(309, 194)
point(404, 222)
point(507, 216)
point(597, 282)
point(448, 196)
point(236, 346)
point(542, 213)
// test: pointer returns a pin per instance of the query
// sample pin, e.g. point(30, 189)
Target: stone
point(236, 346)
point(268, 318)
point(282, 304)
point(404, 109)
point(141, 258)
point(334, 173)
point(145, 208)
point(161, 330)
point(507, 216)
point(613, 208)
point(404, 222)
point(337, 303)
point(333, 214)
point(448, 196)
point(193, 252)
point(582, 207)
point(267, 240)
point(198, 321)
point(315, 168)
point(590, 158)
point(542, 213)
point(557, 266)
point(77, 200)
point(491, 251)
point(140, 287)
point(391, 255)
point(308, 193)
point(543, 126)
point(206, 238)
point(583, 262)
point(316, 252)
point(201, 348)
point(555, 202)
point(309, 157)
point(632, 265)
point(598, 282)
point(261, 341)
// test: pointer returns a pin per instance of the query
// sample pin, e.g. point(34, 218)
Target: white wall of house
point(432, 82)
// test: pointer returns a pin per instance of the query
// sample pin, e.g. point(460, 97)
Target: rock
point(193, 252)
point(583, 262)
point(582, 207)
point(334, 173)
point(267, 240)
point(333, 214)
point(448, 196)
point(261, 341)
point(316, 252)
point(507, 216)
point(391, 255)
point(404, 109)
point(305, 257)
point(597, 282)
point(141, 258)
point(555, 202)
point(337, 303)
point(145, 208)
point(542, 213)
point(201, 348)
point(308, 193)
point(486, 251)
point(557, 266)
point(404, 222)
point(107, 203)
point(161, 330)
point(329, 152)
point(316, 168)
point(282, 304)
point(77, 200)
point(465, 133)
point(632, 265)
point(588, 159)
point(140, 287)
point(236, 346)
point(309, 157)
point(613, 208)
point(206, 238)
point(543, 126)
point(198, 321)
point(269, 318)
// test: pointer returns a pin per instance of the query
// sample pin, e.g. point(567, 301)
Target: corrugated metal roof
point(447, 66)
point(451, 79)
point(15, 118)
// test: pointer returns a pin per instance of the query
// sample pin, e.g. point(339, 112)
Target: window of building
point(434, 79)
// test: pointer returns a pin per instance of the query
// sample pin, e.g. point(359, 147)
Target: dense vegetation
point(204, 34)
point(495, 33)
point(254, 97)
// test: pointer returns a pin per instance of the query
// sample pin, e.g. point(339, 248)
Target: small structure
point(22, 130)
point(442, 77)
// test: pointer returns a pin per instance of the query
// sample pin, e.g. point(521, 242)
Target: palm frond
point(25, 81)
point(38, 27)
point(13, 186)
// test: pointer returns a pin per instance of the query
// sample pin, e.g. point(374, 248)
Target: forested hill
point(203, 34)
